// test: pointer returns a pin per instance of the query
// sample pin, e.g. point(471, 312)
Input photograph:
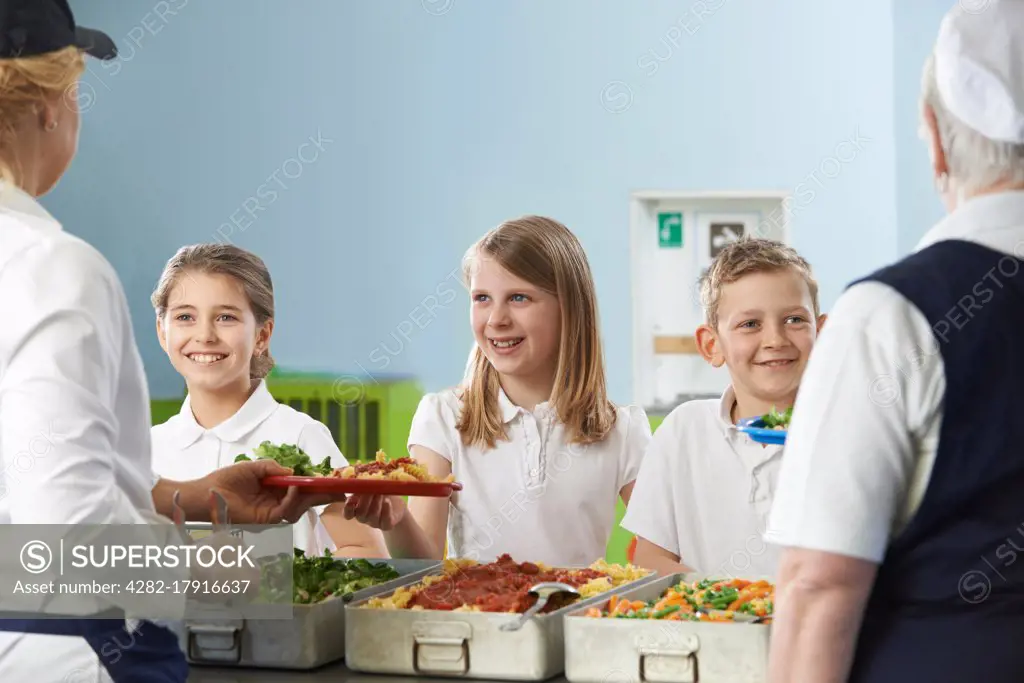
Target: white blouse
point(74, 410)
point(536, 496)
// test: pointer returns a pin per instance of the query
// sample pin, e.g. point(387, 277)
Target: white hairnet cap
point(979, 66)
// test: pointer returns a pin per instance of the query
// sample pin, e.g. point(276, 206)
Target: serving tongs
point(219, 518)
point(544, 592)
point(219, 512)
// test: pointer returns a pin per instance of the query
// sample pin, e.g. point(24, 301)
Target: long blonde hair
point(25, 82)
point(224, 259)
point(546, 254)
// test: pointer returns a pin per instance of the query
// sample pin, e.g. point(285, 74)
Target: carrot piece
point(749, 593)
point(612, 602)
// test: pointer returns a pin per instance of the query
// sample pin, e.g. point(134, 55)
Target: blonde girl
point(541, 451)
point(214, 308)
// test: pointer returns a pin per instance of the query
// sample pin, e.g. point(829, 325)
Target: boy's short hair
point(744, 257)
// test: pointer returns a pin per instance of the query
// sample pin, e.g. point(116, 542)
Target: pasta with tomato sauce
point(503, 586)
point(399, 469)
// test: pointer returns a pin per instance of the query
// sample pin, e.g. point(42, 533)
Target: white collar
point(725, 405)
point(13, 198)
point(510, 410)
point(752, 454)
point(994, 220)
point(259, 406)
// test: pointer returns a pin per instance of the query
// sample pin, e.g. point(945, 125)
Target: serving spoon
point(544, 592)
point(738, 617)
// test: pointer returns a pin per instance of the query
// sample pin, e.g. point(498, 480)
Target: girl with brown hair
point(214, 308)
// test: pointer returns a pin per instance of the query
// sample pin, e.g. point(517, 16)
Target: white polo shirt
point(865, 428)
point(184, 450)
point(705, 491)
point(535, 497)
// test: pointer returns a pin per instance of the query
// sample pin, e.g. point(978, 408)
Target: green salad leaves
point(775, 419)
point(315, 579)
point(292, 456)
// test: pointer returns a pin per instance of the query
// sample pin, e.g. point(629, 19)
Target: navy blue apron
point(150, 654)
point(947, 603)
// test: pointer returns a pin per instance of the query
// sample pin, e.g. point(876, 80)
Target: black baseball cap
point(35, 27)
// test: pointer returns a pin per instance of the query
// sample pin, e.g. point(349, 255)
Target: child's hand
point(377, 511)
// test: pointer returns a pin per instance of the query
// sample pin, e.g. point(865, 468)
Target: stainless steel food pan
point(636, 650)
point(464, 644)
point(313, 637)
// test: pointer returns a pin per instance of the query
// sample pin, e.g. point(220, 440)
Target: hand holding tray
point(351, 485)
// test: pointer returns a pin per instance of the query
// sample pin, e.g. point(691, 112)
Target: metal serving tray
point(313, 637)
point(636, 650)
point(464, 644)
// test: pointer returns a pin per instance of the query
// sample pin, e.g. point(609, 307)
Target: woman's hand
point(249, 502)
point(377, 511)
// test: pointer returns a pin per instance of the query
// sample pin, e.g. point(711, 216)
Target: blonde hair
point(224, 259)
point(546, 254)
point(25, 82)
point(744, 257)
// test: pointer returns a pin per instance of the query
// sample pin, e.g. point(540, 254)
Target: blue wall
point(441, 118)
point(918, 207)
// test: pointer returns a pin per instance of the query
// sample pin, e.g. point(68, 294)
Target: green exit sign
point(670, 230)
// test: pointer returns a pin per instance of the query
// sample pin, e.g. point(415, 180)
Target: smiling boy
point(704, 491)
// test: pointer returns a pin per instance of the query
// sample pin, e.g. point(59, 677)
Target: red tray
point(384, 487)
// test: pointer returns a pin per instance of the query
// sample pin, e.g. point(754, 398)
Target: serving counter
point(386, 636)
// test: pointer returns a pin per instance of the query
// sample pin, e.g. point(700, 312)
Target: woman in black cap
point(74, 408)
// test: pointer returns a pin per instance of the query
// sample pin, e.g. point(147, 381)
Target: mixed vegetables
point(292, 456)
point(705, 600)
point(777, 420)
point(315, 579)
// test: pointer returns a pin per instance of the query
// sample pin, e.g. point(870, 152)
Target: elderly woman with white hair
point(900, 503)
